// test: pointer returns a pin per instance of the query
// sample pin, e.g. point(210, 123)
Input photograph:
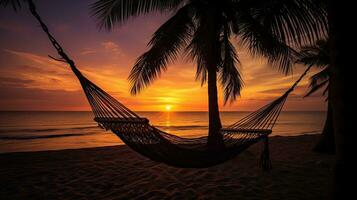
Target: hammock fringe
point(265, 161)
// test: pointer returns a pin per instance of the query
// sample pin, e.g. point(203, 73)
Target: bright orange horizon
point(29, 80)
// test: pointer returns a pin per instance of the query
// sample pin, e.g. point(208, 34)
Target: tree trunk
point(212, 57)
point(326, 143)
point(215, 139)
point(343, 102)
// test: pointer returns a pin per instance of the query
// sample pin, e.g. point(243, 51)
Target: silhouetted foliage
point(318, 55)
point(203, 30)
point(265, 27)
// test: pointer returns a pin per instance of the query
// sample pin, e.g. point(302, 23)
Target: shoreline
point(73, 130)
point(116, 172)
point(121, 144)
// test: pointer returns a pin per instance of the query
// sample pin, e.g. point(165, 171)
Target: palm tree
point(204, 29)
point(318, 55)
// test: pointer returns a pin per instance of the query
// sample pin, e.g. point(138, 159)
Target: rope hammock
point(160, 146)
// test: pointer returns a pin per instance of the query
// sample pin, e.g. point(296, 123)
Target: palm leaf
point(230, 77)
point(203, 48)
point(319, 77)
point(15, 4)
point(319, 80)
point(110, 12)
point(317, 87)
point(165, 46)
point(295, 22)
point(260, 41)
point(317, 54)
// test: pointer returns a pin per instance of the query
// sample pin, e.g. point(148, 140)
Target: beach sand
point(119, 173)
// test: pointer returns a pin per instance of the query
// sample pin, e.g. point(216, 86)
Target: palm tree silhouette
point(204, 28)
point(319, 55)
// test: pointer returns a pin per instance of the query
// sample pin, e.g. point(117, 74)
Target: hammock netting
point(173, 150)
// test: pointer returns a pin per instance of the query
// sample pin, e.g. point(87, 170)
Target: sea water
point(38, 131)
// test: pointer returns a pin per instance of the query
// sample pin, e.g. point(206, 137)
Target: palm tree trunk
point(213, 53)
point(326, 143)
point(343, 102)
point(215, 139)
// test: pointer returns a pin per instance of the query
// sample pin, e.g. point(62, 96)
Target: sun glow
point(168, 108)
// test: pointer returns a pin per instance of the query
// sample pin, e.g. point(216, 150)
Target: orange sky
point(29, 80)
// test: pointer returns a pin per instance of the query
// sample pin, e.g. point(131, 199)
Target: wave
point(310, 132)
point(32, 137)
point(46, 129)
point(182, 127)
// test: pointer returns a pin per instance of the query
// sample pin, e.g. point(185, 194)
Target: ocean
point(39, 131)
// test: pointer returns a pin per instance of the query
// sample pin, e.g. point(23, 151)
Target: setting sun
point(168, 107)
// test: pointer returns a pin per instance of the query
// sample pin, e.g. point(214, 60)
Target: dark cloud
point(10, 82)
point(17, 98)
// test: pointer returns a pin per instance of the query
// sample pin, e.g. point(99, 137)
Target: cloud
point(44, 84)
point(18, 98)
point(14, 82)
point(43, 72)
point(63, 27)
point(87, 51)
point(111, 46)
point(12, 26)
point(46, 73)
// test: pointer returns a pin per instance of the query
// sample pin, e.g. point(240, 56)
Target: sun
point(168, 108)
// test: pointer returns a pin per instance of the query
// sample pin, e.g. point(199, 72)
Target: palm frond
point(195, 51)
point(165, 46)
point(296, 22)
point(317, 87)
point(109, 12)
point(204, 48)
point(319, 77)
point(230, 77)
point(318, 80)
point(15, 4)
point(261, 41)
point(317, 54)
point(326, 90)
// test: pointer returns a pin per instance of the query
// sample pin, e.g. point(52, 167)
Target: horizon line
point(156, 111)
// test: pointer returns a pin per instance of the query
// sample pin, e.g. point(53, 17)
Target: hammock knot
point(265, 161)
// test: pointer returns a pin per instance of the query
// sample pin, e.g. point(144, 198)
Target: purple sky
point(29, 80)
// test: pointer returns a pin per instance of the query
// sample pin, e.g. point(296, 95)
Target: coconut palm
point(318, 55)
point(204, 29)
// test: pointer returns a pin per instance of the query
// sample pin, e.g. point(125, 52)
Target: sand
point(119, 173)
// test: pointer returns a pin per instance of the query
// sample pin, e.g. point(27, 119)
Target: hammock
point(160, 146)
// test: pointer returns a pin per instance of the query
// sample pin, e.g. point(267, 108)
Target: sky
point(30, 80)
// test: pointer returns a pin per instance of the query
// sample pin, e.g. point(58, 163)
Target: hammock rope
point(160, 146)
